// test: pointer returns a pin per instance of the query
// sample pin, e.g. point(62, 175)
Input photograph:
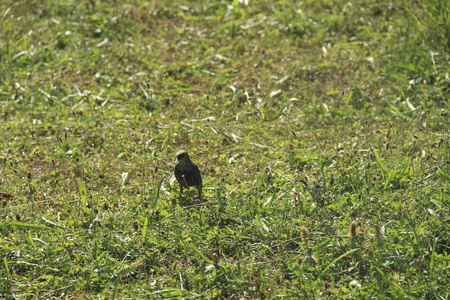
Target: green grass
point(322, 130)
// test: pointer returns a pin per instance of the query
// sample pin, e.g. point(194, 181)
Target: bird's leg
point(181, 185)
point(199, 189)
point(181, 191)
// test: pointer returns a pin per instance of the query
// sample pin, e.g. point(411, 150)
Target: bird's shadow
point(188, 198)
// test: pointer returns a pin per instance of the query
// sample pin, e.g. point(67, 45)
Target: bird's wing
point(197, 174)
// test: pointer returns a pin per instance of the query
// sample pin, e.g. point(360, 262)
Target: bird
point(187, 173)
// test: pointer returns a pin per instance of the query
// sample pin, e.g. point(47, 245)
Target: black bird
point(187, 173)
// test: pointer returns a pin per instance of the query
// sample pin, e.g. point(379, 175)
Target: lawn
point(321, 129)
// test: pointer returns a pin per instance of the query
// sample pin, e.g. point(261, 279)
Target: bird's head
point(182, 155)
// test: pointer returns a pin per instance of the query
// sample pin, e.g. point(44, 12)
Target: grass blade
point(444, 174)
point(379, 162)
point(338, 259)
point(196, 250)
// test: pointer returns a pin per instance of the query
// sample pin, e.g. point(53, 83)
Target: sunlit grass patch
point(321, 130)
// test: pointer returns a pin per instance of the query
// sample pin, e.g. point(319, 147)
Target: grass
point(321, 128)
